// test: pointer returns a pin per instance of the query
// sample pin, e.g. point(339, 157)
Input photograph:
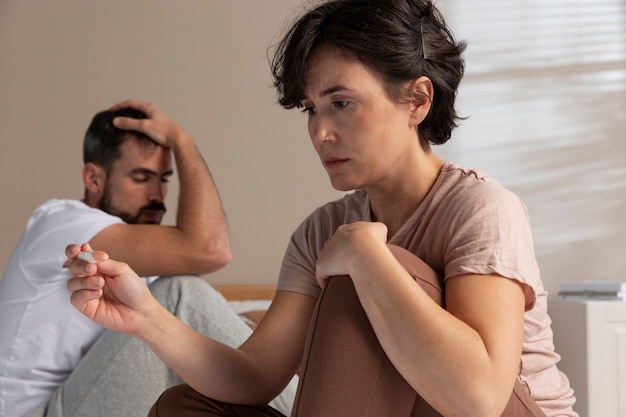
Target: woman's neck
point(394, 204)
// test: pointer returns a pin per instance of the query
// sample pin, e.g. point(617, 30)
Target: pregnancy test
point(87, 256)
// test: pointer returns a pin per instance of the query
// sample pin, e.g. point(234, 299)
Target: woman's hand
point(108, 292)
point(348, 249)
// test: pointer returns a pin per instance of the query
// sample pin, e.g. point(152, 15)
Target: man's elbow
point(221, 258)
point(214, 258)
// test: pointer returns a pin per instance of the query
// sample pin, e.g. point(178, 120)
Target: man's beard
point(106, 206)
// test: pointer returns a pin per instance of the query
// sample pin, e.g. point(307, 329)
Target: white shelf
point(590, 336)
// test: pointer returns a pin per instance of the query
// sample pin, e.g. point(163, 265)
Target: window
point(545, 97)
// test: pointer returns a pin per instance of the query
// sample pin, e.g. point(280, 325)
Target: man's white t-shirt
point(42, 335)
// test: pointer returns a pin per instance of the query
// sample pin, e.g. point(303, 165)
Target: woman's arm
point(113, 296)
point(254, 373)
point(463, 359)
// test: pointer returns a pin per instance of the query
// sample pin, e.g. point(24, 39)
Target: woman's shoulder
point(460, 177)
point(469, 191)
point(322, 222)
point(457, 181)
point(353, 206)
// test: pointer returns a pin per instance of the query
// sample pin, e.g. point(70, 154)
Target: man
point(53, 361)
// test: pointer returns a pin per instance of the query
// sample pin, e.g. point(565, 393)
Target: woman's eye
point(340, 104)
point(309, 110)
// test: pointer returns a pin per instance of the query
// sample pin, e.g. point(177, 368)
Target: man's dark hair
point(102, 140)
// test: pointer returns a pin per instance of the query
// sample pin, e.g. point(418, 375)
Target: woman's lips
point(333, 162)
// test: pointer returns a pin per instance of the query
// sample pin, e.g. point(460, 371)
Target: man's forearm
point(200, 215)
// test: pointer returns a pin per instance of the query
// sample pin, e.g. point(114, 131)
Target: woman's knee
point(184, 401)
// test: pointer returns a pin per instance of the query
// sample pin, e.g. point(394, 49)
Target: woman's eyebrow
point(329, 90)
point(332, 90)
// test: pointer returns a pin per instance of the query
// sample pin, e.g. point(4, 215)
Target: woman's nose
point(320, 133)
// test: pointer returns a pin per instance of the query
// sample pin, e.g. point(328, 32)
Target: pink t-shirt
point(468, 223)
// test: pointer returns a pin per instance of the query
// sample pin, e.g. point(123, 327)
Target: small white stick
point(87, 256)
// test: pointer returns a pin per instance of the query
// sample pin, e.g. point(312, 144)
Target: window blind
point(545, 97)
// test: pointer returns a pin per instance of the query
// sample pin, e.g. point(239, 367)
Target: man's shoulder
point(58, 204)
point(69, 210)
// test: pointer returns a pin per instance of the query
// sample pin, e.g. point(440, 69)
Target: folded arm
point(199, 242)
point(462, 359)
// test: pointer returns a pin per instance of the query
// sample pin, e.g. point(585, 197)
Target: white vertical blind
point(545, 93)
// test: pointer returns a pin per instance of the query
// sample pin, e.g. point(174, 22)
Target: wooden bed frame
point(246, 292)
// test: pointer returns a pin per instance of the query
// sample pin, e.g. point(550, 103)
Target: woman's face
point(363, 138)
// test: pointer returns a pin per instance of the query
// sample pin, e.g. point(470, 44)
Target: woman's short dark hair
point(102, 140)
point(399, 39)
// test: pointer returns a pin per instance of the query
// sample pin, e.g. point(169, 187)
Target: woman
point(377, 80)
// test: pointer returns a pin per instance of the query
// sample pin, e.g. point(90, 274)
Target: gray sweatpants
point(121, 377)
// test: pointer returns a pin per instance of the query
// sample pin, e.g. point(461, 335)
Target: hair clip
point(424, 54)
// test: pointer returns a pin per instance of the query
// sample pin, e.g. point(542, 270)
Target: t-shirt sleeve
point(48, 233)
point(489, 233)
point(297, 271)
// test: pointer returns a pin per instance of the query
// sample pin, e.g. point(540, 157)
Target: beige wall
point(202, 61)
point(205, 63)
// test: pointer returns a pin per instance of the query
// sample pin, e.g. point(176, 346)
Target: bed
point(249, 301)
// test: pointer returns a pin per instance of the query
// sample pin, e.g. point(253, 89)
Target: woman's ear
point(94, 179)
point(421, 96)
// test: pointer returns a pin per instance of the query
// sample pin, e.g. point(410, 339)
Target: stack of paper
point(593, 290)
